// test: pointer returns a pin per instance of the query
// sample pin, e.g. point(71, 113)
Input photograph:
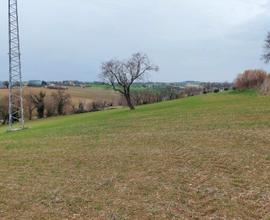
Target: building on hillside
point(36, 83)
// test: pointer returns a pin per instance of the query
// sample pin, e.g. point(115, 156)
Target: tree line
point(43, 105)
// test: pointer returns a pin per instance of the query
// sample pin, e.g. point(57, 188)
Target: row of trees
point(47, 105)
point(40, 105)
point(142, 97)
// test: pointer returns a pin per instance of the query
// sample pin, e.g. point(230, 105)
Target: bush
point(82, 107)
point(144, 97)
point(265, 88)
point(39, 102)
point(250, 79)
point(99, 106)
point(4, 110)
point(61, 100)
point(50, 106)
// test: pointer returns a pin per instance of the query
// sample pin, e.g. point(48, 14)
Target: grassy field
point(204, 157)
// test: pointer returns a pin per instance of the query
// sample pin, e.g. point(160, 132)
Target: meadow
point(203, 157)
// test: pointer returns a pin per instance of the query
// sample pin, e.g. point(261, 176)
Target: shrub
point(265, 88)
point(50, 106)
point(144, 97)
point(250, 79)
point(61, 100)
point(39, 102)
point(29, 105)
point(98, 106)
point(81, 107)
point(4, 109)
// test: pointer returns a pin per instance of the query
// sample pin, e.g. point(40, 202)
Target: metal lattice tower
point(16, 113)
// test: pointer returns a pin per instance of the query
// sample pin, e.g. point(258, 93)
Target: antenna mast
point(16, 113)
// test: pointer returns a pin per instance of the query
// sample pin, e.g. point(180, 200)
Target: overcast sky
point(206, 40)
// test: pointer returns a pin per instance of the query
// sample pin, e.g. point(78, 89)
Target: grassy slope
point(201, 157)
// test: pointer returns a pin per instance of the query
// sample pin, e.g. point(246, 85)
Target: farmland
point(203, 157)
point(88, 94)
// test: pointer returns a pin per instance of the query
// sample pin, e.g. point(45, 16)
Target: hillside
point(196, 158)
point(88, 94)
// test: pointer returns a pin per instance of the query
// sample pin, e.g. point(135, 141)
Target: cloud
point(204, 40)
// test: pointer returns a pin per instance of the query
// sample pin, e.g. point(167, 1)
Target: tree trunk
point(129, 102)
point(30, 114)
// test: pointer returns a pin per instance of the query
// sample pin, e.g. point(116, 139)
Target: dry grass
point(204, 157)
point(87, 95)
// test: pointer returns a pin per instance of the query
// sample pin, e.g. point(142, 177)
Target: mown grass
point(205, 157)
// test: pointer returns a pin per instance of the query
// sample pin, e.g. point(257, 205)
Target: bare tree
point(266, 55)
point(29, 104)
point(122, 74)
point(4, 109)
point(61, 99)
point(50, 106)
point(38, 100)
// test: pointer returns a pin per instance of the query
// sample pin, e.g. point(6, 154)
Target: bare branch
point(266, 55)
point(122, 74)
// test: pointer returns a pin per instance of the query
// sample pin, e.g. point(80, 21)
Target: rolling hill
point(204, 157)
point(88, 94)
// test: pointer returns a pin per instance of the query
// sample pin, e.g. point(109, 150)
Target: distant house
point(36, 83)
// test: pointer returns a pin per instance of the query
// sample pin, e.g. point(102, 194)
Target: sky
point(203, 40)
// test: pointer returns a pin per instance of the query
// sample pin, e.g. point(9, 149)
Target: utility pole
point(16, 113)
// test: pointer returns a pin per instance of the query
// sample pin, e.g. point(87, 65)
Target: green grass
point(134, 87)
point(196, 158)
point(99, 86)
